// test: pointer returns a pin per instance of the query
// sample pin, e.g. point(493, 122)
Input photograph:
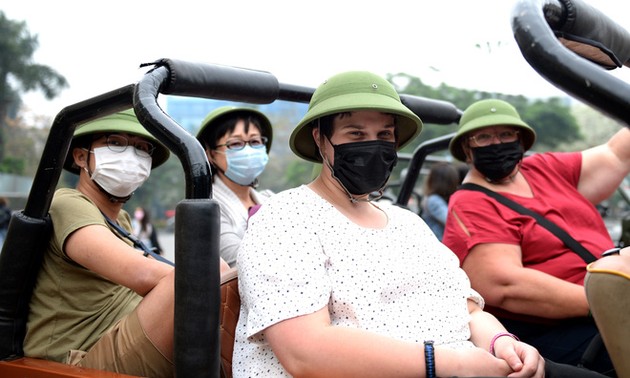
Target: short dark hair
point(443, 180)
point(325, 124)
point(225, 125)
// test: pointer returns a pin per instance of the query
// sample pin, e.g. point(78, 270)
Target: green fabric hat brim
point(122, 122)
point(528, 136)
point(223, 111)
point(408, 123)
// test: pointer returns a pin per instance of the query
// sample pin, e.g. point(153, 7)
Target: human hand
point(475, 362)
point(523, 359)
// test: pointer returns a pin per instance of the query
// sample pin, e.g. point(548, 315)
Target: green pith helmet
point(486, 113)
point(352, 91)
point(218, 114)
point(121, 122)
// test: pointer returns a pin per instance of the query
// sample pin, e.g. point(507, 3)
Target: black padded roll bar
point(29, 229)
point(432, 111)
point(197, 278)
point(417, 160)
point(571, 44)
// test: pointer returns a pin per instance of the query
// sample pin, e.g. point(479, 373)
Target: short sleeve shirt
point(553, 178)
point(300, 254)
point(71, 306)
point(234, 217)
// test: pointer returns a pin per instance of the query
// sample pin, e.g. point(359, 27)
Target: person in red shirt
point(529, 278)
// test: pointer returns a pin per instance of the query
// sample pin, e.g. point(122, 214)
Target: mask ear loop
point(351, 197)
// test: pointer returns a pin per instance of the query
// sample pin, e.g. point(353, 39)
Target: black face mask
point(497, 161)
point(364, 167)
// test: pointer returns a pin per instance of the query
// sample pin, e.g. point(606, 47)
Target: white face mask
point(120, 173)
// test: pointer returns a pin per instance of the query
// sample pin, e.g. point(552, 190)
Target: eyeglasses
point(119, 143)
point(237, 144)
point(486, 139)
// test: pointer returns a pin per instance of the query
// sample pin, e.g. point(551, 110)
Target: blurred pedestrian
point(442, 181)
point(144, 230)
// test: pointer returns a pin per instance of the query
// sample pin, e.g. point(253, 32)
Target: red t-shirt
point(553, 178)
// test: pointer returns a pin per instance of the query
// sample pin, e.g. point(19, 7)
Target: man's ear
point(80, 157)
point(316, 135)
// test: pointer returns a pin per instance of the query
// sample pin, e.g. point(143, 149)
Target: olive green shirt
point(71, 306)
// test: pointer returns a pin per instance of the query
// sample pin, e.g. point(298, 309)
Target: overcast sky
point(98, 46)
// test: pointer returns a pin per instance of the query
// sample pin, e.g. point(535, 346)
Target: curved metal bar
point(432, 111)
point(563, 68)
point(29, 229)
point(58, 144)
point(295, 93)
point(417, 160)
point(187, 148)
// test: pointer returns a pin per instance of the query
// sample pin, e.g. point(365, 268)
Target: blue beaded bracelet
point(429, 359)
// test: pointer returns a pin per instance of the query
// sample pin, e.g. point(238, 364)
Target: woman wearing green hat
point(530, 279)
point(237, 141)
point(335, 284)
point(98, 301)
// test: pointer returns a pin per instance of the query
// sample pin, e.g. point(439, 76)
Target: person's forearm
point(335, 351)
point(483, 327)
point(532, 292)
point(349, 352)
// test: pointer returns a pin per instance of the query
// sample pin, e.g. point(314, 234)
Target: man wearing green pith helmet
point(99, 302)
point(529, 277)
point(335, 284)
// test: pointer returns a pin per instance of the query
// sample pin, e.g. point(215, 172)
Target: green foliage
point(551, 118)
point(24, 145)
point(298, 172)
point(12, 165)
point(553, 122)
point(594, 128)
point(17, 69)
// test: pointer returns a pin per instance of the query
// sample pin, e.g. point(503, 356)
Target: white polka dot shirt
point(300, 254)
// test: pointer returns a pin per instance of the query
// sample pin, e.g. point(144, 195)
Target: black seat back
point(19, 264)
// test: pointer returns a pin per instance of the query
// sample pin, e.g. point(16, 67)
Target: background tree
point(18, 74)
point(24, 144)
point(550, 118)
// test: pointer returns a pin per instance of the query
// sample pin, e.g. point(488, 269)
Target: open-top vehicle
point(545, 31)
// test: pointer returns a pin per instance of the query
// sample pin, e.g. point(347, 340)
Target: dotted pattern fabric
point(301, 254)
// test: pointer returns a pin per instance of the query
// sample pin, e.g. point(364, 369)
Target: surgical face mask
point(244, 166)
point(120, 173)
point(497, 161)
point(364, 167)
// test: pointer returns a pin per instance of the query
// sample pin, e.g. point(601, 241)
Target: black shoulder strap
point(137, 243)
point(549, 225)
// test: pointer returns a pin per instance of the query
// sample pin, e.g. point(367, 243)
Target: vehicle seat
point(607, 286)
point(230, 309)
point(20, 261)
